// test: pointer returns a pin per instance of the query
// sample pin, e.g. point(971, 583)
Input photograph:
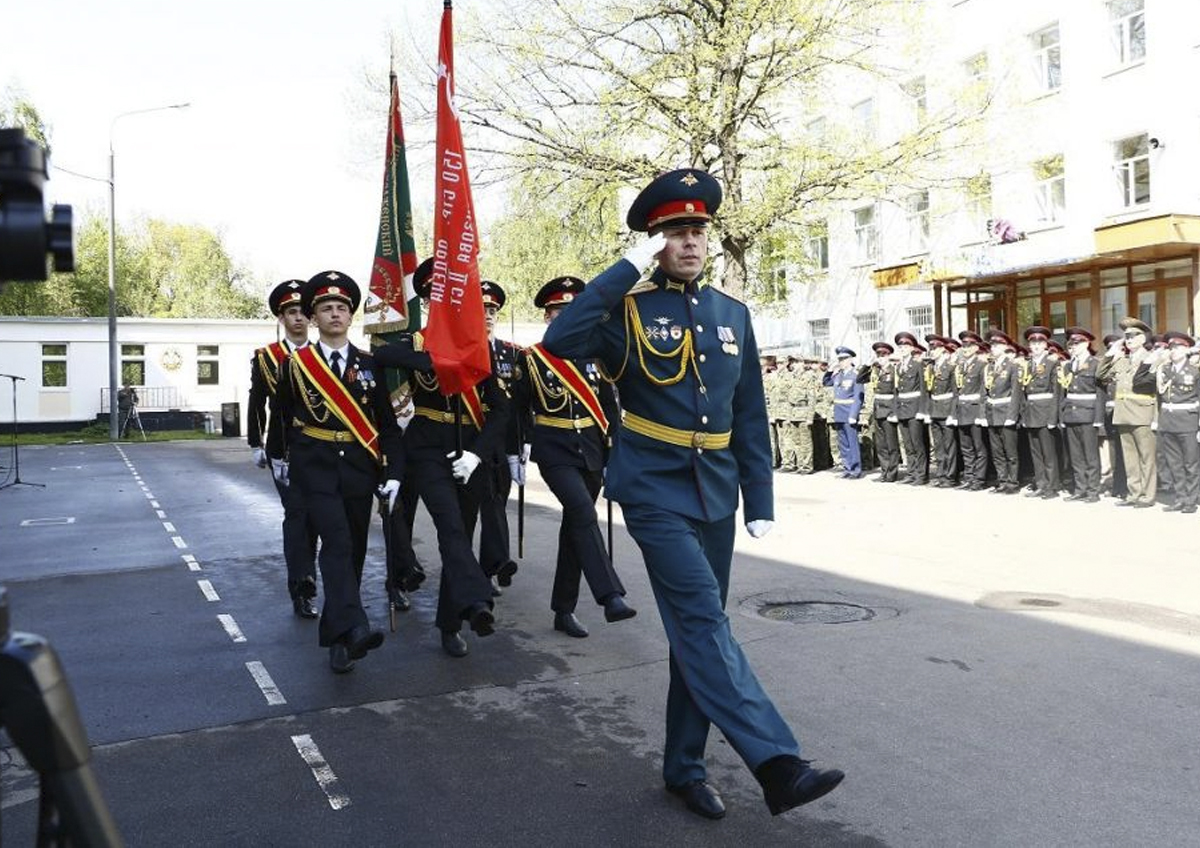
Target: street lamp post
point(114, 359)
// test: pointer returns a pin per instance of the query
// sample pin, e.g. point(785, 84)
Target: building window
point(54, 366)
point(866, 237)
point(979, 207)
point(870, 328)
point(976, 68)
point(208, 372)
point(920, 320)
point(818, 246)
point(819, 334)
point(915, 90)
point(1132, 170)
point(1050, 188)
point(1128, 29)
point(133, 365)
point(864, 117)
point(1047, 58)
point(916, 211)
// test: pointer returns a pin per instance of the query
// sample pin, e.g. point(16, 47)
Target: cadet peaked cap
point(558, 292)
point(1001, 337)
point(330, 285)
point(1110, 338)
point(970, 337)
point(935, 340)
point(675, 199)
point(493, 294)
point(1037, 332)
point(883, 347)
point(1056, 347)
point(288, 293)
point(1135, 324)
point(1079, 334)
point(905, 337)
point(1174, 338)
point(421, 283)
point(844, 353)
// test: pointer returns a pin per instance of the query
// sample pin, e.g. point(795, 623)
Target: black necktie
point(335, 360)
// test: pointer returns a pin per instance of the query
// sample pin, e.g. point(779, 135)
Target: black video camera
point(25, 234)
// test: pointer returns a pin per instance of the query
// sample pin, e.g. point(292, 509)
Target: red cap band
point(676, 209)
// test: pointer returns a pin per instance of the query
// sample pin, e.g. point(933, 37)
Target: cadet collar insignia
point(688, 179)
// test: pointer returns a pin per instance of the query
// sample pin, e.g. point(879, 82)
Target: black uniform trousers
point(1183, 455)
point(453, 508)
point(1005, 454)
point(495, 544)
point(973, 441)
point(913, 431)
point(945, 442)
point(1043, 450)
point(299, 543)
point(1083, 446)
point(580, 542)
point(887, 448)
point(403, 570)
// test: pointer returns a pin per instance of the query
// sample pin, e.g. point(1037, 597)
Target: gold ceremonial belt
point(1133, 396)
point(327, 435)
point(565, 423)
point(440, 416)
point(672, 436)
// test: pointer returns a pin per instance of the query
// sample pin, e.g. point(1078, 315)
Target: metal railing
point(150, 398)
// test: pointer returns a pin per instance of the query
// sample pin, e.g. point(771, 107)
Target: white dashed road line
point(326, 779)
point(179, 543)
point(231, 627)
point(270, 691)
point(207, 588)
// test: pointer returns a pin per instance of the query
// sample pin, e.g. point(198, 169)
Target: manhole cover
point(815, 612)
point(1039, 602)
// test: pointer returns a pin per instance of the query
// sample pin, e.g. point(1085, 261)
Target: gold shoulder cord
point(1026, 373)
point(299, 383)
point(685, 351)
point(429, 384)
point(929, 378)
point(545, 393)
point(268, 374)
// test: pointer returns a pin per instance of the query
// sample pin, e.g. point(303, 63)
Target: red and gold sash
point(470, 397)
point(338, 398)
point(269, 358)
point(575, 382)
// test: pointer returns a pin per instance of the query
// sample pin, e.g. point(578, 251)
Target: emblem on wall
point(171, 359)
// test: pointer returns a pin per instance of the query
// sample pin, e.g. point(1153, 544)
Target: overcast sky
point(281, 149)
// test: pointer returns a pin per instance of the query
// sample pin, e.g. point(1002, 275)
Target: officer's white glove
point(279, 470)
point(921, 416)
point(759, 527)
point(464, 466)
point(260, 457)
point(389, 490)
point(516, 469)
point(894, 419)
point(642, 254)
point(951, 422)
point(1154, 425)
point(1099, 425)
point(1198, 437)
point(526, 449)
point(1010, 422)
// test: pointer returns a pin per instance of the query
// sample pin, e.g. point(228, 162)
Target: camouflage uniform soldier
point(801, 398)
point(770, 393)
point(825, 449)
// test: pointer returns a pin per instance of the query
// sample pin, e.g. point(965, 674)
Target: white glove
point(464, 466)
point(526, 449)
point(642, 254)
point(1099, 425)
point(516, 469)
point(1198, 437)
point(389, 490)
point(279, 470)
point(951, 422)
point(894, 419)
point(260, 457)
point(1154, 425)
point(759, 527)
point(1010, 422)
point(921, 416)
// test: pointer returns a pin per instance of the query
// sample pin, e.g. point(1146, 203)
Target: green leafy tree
point(16, 110)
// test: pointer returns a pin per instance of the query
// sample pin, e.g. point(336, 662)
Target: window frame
point(206, 358)
point(1126, 171)
point(1121, 32)
point(1047, 58)
point(1048, 184)
point(55, 359)
point(917, 220)
point(866, 237)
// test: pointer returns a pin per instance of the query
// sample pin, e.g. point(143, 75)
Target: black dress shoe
point(496, 590)
point(339, 658)
point(1126, 503)
point(398, 600)
point(304, 608)
point(1050, 496)
point(454, 644)
point(360, 640)
point(1091, 499)
point(975, 487)
point(789, 781)
point(504, 574)
point(701, 798)
point(566, 622)
point(1140, 505)
point(1175, 507)
point(481, 620)
point(615, 609)
point(1189, 509)
point(1034, 493)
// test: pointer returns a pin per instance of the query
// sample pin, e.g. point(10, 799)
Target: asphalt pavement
point(988, 670)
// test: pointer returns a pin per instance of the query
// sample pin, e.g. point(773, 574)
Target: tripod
point(16, 449)
point(132, 417)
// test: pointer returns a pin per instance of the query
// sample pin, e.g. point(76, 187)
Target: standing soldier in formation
point(1127, 378)
point(339, 441)
point(940, 383)
point(912, 398)
point(771, 392)
point(1039, 412)
point(847, 405)
point(573, 409)
point(1178, 383)
point(299, 535)
point(970, 410)
point(694, 432)
point(1082, 414)
point(1112, 460)
point(801, 412)
point(1002, 382)
point(825, 451)
point(881, 374)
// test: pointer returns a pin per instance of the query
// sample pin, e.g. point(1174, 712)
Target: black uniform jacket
point(545, 399)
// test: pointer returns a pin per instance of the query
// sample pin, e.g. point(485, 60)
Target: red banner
point(456, 336)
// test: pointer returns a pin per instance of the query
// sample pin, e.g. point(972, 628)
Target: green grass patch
point(98, 433)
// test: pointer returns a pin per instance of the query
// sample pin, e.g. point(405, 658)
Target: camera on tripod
point(25, 234)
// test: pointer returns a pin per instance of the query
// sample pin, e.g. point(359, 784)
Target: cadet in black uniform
point(1082, 414)
point(573, 408)
point(340, 441)
point(299, 534)
point(1179, 420)
point(1002, 382)
point(939, 381)
point(882, 375)
point(912, 398)
point(970, 413)
point(1039, 411)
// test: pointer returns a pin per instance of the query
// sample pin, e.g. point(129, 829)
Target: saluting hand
point(643, 253)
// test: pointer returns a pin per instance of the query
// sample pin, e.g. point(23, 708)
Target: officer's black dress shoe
point(1091, 499)
point(339, 658)
point(360, 640)
point(789, 781)
point(1175, 507)
point(1140, 505)
point(504, 574)
point(1049, 496)
point(481, 620)
point(1078, 496)
point(566, 622)
point(615, 609)
point(701, 798)
point(304, 608)
point(1033, 493)
point(1126, 503)
point(1189, 509)
point(398, 599)
point(454, 644)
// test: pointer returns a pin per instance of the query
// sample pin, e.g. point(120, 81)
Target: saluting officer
point(1112, 461)
point(1039, 412)
point(939, 381)
point(1002, 382)
point(340, 441)
point(299, 534)
point(970, 411)
point(1179, 419)
point(574, 411)
point(694, 431)
point(1082, 414)
point(912, 400)
point(1132, 385)
point(847, 404)
point(881, 375)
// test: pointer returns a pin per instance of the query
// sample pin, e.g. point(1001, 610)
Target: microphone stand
point(16, 481)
